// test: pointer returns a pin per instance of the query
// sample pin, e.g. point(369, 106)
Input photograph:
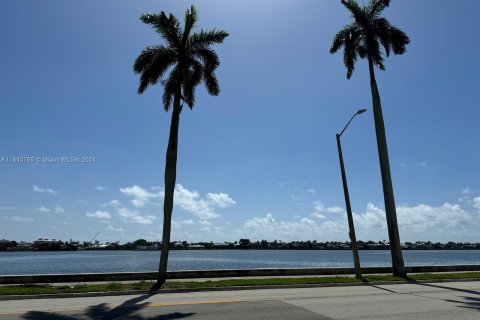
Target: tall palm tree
point(190, 60)
point(362, 38)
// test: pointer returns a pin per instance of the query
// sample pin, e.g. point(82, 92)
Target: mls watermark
point(48, 160)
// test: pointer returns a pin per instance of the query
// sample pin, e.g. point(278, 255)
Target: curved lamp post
point(353, 238)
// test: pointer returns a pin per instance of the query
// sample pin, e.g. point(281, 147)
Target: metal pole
point(353, 238)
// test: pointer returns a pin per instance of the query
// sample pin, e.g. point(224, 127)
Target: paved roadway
point(454, 300)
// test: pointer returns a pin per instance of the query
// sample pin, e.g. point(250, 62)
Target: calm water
point(130, 261)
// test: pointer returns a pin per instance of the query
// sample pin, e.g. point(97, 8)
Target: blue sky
point(260, 160)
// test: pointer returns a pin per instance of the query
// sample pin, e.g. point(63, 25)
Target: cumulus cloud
point(148, 219)
point(100, 188)
point(113, 203)
point(203, 208)
point(140, 196)
point(44, 190)
point(320, 210)
point(190, 200)
point(476, 202)
point(111, 228)
point(99, 214)
point(43, 209)
point(447, 222)
point(221, 200)
point(303, 228)
point(135, 216)
point(420, 222)
point(180, 223)
point(20, 219)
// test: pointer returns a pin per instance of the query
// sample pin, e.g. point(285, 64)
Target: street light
point(353, 238)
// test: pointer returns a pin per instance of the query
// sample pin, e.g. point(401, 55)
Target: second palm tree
point(363, 38)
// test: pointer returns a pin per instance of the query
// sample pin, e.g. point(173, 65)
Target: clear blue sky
point(260, 160)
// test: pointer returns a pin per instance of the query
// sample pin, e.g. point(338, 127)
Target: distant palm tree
point(190, 59)
point(362, 38)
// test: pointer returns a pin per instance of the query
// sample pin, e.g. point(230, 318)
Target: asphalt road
point(454, 300)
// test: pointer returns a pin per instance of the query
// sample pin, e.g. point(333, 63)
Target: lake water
point(141, 261)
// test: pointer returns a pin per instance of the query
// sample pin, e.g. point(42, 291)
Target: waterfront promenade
point(449, 300)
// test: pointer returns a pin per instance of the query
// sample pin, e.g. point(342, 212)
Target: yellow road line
point(181, 303)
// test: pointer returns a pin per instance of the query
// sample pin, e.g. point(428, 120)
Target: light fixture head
point(361, 111)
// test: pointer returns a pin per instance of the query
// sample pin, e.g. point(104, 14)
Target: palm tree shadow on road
point(127, 310)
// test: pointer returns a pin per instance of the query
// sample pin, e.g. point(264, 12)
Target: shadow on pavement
point(467, 302)
point(447, 288)
point(127, 310)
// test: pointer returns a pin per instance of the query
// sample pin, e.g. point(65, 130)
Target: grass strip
point(145, 285)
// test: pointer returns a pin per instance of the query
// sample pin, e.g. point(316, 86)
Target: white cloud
point(59, 209)
point(100, 188)
point(43, 209)
point(311, 190)
point(143, 219)
point(320, 210)
point(113, 203)
point(181, 223)
point(99, 214)
point(420, 222)
point(476, 202)
point(44, 190)
point(203, 208)
point(135, 216)
point(111, 228)
point(221, 200)
point(422, 164)
point(128, 213)
point(20, 219)
point(269, 228)
point(140, 196)
point(191, 201)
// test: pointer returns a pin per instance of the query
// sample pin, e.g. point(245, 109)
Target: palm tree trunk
point(170, 177)
point(398, 265)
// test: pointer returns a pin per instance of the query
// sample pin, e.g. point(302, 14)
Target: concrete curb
point(232, 288)
point(226, 273)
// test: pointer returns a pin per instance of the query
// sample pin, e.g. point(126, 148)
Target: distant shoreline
point(236, 249)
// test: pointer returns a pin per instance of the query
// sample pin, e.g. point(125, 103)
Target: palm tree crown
point(364, 35)
point(188, 55)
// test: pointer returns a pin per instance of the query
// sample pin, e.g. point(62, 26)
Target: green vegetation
point(146, 285)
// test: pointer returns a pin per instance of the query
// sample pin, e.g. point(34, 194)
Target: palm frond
point(211, 82)
point(375, 53)
point(170, 87)
point(191, 18)
point(381, 28)
point(207, 38)
point(355, 10)
point(208, 56)
point(152, 64)
point(167, 27)
point(192, 79)
point(377, 6)
point(399, 40)
point(341, 36)
point(364, 36)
